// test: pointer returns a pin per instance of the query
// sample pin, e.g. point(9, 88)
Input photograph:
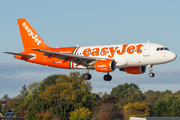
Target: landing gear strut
point(87, 76)
point(151, 74)
point(107, 77)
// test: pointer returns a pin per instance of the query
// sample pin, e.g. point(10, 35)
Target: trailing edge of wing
point(24, 55)
point(64, 56)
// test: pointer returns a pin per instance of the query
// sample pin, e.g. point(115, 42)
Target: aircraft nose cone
point(172, 56)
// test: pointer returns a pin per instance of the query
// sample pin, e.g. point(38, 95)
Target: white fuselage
point(125, 55)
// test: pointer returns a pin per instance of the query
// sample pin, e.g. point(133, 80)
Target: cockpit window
point(166, 48)
point(161, 48)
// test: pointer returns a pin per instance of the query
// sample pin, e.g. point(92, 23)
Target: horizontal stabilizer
point(24, 55)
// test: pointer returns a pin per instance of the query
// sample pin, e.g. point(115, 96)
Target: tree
point(5, 97)
point(24, 92)
point(50, 80)
point(37, 109)
point(165, 93)
point(1, 107)
point(73, 88)
point(18, 102)
point(152, 96)
point(63, 109)
point(167, 106)
point(44, 116)
point(104, 99)
point(54, 98)
point(80, 114)
point(106, 111)
point(109, 98)
point(136, 110)
point(127, 93)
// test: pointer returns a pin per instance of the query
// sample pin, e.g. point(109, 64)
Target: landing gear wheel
point(151, 74)
point(87, 76)
point(107, 77)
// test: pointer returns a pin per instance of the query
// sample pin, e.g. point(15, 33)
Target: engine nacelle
point(105, 65)
point(134, 69)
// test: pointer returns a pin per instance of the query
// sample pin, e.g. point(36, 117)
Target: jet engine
point(134, 70)
point(105, 65)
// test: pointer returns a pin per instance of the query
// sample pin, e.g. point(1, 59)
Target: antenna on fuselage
point(148, 41)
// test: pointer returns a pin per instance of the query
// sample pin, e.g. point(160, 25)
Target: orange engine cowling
point(134, 69)
point(105, 65)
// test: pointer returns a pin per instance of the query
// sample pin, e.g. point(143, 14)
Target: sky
point(85, 23)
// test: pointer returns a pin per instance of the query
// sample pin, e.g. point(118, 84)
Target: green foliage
point(59, 95)
point(109, 98)
point(54, 98)
point(168, 106)
point(81, 114)
point(18, 102)
point(127, 93)
point(165, 93)
point(63, 109)
point(1, 107)
point(35, 108)
point(50, 80)
point(17, 105)
point(152, 96)
point(73, 88)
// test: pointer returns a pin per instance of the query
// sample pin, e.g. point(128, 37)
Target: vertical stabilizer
point(30, 38)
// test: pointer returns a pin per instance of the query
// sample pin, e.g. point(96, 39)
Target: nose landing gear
point(107, 77)
point(151, 74)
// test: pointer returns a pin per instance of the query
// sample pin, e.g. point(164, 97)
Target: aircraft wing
point(68, 57)
point(24, 55)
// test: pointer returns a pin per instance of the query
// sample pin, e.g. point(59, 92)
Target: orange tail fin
point(29, 36)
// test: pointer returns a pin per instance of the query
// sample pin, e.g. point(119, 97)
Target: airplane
point(130, 58)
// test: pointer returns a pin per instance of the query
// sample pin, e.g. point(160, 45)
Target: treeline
point(64, 97)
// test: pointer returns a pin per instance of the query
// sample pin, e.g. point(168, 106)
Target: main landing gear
point(107, 77)
point(88, 76)
point(151, 74)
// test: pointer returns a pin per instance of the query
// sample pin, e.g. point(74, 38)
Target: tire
point(87, 76)
point(151, 74)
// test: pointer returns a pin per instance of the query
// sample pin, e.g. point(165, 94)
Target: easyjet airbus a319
point(131, 58)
